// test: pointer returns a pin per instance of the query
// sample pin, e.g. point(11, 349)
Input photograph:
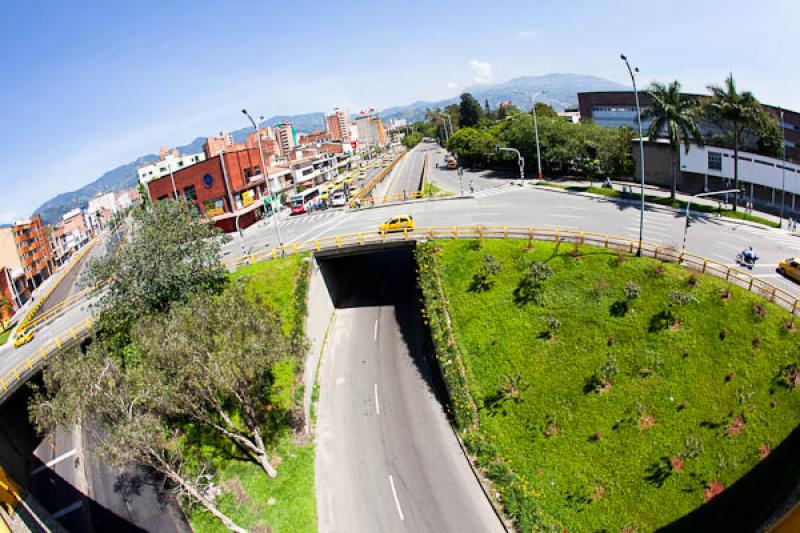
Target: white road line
point(730, 246)
point(66, 510)
point(375, 333)
point(569, 207)
point(54, 461)
point(396, 500)
point(377, 403)
point(300, 237)
point(566, 216)
point(776, 275)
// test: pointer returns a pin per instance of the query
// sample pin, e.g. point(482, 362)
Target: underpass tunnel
point(386, 277)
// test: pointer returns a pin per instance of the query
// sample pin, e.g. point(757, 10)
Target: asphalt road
point(386, 458)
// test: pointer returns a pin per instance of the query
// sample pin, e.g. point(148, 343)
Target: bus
point(302, 201)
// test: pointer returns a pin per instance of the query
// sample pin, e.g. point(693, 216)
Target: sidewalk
point(651, 190)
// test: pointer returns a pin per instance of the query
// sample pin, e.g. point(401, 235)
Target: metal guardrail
point(665, 253)
point(661, 252)
point(24, 324)
point(33, 363)
point(376, 179)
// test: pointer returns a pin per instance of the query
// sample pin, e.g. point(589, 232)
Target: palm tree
point(734, 112)
point(675, 114)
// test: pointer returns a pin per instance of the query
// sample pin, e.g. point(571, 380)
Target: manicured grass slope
point(248, 490)
point(587, 459)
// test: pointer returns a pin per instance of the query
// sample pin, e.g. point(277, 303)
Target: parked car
point(398, 223)
point(790, 267)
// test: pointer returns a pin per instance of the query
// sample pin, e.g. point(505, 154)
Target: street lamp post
point(535, 131)
point(689, 206)
point(783, 167)
point(266, 177)
point(520, 160)
point(641, 148)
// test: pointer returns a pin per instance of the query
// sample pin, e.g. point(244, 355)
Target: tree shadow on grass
point(619, 308)
point(658, 473)
point(496, 403)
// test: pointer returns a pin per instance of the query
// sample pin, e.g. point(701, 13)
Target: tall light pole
point(535, 131)
point(266, 177)
point(641, 148)
point(689, 206)
point(520, 160)
point(783, 167)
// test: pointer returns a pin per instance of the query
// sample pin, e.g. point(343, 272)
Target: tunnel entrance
point(387, 278)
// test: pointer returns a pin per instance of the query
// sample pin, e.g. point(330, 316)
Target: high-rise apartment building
point(33, 248)
point(338, 125)
point(217, 144)
point(370, 130)
point(286, 136)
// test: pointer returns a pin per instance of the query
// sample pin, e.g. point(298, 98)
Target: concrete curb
point(656, 207)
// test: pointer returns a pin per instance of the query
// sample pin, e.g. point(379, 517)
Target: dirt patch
point(234, 486)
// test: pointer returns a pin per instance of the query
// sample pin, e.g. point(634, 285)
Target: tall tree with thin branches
point(734, 111)
point(674, 115)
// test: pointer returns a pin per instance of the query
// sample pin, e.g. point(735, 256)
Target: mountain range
point(557, 90)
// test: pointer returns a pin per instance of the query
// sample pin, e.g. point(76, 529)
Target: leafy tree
point(469, 111)
point(5, 306)
point(675, 115)
point(124, 428)
point(169, 255)
point(472, 146)
point(486, 109)
point(412, 139)
point(545, 111)
point(213, 357)
point(734, 111)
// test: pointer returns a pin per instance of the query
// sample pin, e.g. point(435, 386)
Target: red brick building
point(221, 187)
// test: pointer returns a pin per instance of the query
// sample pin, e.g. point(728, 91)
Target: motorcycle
point(746, 261)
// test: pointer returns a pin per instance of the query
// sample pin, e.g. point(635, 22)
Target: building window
point(190, 193)
point(248, 172)
point(714, 161)
point(256, 170)
point(214, 207)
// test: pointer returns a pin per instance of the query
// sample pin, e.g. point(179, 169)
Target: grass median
point(604, 392)
point(286, 503)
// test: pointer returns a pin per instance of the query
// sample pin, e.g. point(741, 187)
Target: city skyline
point(95, 88)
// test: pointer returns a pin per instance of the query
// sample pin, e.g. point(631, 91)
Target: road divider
point(367, 189)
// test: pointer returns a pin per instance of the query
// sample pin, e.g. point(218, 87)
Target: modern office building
point(33, 249)
point(618, 108)
point(370, 130)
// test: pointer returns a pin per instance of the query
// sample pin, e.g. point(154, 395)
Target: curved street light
point(641, 148)
point(266, 177)
point(535, 129)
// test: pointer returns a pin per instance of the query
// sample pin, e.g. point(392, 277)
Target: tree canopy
point(469, 111)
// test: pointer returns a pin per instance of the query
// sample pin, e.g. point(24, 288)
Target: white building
point(573, 116)
point(170, 163)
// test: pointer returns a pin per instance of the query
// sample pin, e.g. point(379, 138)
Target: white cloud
point(525, 35)
point(482, 70)
point(453, 85)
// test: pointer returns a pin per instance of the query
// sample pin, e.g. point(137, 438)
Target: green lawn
point(5, 335)
point(661, 200)
point(429, 189)
point(249, 493)
point(584, 438)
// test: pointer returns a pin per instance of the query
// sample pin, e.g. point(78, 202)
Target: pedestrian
point(471, 187)
point(719, 208)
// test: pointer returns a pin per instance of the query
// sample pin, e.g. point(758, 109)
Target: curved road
point(386, 458)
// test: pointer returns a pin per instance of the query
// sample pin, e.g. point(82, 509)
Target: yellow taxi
point(23, 337)
point(790, 267)
point(398, 223)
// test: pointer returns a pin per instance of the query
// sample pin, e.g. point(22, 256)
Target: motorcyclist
point(749, 256)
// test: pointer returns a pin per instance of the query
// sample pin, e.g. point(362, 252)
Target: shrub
point(678, 298)
point(484, 277)
point(552, 326)
point(475, 245)
point(631, 290)
point(692, 281)
point(600, 381)
point(530, 288)
point(760, 311)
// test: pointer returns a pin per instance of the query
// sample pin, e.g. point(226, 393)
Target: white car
point(338, 199)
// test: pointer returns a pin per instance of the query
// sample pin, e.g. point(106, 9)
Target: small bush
point(484, 277)
point(601, 380)
point(530, 288)
point(759, 311)
point(552, 326)
point(679, 298)
point(475, 245)
point(631, 290)
point(692, 281)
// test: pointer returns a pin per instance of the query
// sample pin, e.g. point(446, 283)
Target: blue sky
point(87, 86)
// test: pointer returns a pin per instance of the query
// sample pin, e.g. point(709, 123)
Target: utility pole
point(689, 206)
point(641, 149)
point(266, 178)
point(783, 167)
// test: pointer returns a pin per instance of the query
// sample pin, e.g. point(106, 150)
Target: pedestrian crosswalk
point(492, 191)
point(310, 218)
